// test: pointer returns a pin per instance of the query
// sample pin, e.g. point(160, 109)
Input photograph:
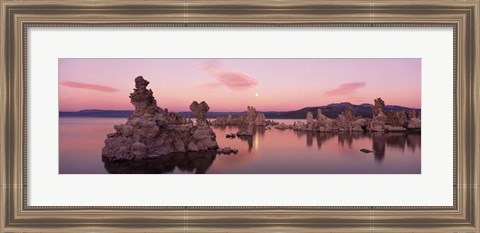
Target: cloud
point(211, 85)
point(231, 79)
point(346, 89)
point(88, 86)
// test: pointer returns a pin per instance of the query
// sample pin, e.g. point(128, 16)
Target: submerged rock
point(227, 150)
point(366, 151)
point(282, 126)
point(152, 131)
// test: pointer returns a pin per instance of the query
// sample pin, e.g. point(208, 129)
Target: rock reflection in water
point(323, 137)
point(348, 138)
point(200, 162)
point(269, 151)
point(379, 140)
point(249, 140)
point(190, 162)
point(399, 141)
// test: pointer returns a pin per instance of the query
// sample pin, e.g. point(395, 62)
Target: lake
point(267, 152)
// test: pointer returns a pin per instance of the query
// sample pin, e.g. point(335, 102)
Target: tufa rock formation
point(414, 121)
point(251, 114)
point(378, 121)
point(152, 131)
point(200, 111)
point(260, 119)
point(252, 117)
point(324, 123)
point(381, 121)
point(378, 107)
point(248, 131)
point(347, 121)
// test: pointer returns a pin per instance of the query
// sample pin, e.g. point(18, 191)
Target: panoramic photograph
point(239, 116)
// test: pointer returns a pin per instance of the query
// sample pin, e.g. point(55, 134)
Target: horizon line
point(188, 110)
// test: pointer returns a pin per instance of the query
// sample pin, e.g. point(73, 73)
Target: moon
point(256, 94)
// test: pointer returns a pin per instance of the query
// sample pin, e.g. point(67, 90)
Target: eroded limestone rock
point(152, 131)
point(253, 116)
point(200, 110)
point(379, 118)
point(260, 119)
point(347, 121)
point(248, 131)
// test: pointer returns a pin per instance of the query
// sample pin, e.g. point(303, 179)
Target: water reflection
point(269, 151)
point(380, 140)
point(191, 162)
point(200, 162)
point(323, 137)
point(348, 138)
point(309, 139)
point(249, 141)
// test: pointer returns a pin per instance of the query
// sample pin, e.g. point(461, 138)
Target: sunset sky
point(234, 84)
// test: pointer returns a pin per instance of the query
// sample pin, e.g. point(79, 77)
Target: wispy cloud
point(211, 85)
point(345, 89)
point(231, 79)
point(88, 86)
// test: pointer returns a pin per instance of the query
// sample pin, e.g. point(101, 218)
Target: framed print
point(239, 116)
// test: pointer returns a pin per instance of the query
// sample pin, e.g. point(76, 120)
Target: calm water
point(267, 152)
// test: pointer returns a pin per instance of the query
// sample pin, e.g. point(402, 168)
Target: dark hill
point(333, 110)
point(98, 113)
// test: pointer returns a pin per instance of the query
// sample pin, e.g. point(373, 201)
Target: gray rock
point(414, 123)
point(378, 107)
point(309, 118)
point(246, 131)
point(366, 151)
point(282, 126)
point(139, 149)
point(260, 119)
point(192, 146)
point(390, 128)
point(412, 114)
point(347, 122)
point(152, 131)
point(251, 114)
point(200, 110)
point(227, 150)
point(127, 130)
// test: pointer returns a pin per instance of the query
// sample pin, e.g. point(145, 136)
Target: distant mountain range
point(331, 111)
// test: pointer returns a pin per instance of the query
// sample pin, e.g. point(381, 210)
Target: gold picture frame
point(17, 16)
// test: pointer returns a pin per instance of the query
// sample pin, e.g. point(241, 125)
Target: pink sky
point(233, 84)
